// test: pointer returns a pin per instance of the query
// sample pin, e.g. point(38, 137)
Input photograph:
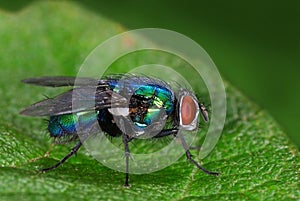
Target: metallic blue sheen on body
point(148, 99)
point(159, 95)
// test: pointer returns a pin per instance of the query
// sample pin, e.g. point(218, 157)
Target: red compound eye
point(188, 110)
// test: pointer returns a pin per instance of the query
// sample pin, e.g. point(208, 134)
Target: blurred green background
point(255, 44)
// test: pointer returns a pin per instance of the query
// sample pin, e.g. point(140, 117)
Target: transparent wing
point(76, 100)
point(59, 81)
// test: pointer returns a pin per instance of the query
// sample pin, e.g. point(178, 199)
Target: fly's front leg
point(189, 157)
point(166, 132)
point(172, 131)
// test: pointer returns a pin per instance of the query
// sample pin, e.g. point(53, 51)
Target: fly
point(127, 107)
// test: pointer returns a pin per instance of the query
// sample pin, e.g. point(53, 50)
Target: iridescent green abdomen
point(68, 124)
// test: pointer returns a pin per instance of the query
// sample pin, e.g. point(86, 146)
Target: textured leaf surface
point(254, 156)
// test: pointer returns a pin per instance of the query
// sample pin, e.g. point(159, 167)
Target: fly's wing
point(59, 81)
point(76, 100)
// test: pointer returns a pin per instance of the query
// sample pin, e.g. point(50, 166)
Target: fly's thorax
point(188, 110)
point(150, 103)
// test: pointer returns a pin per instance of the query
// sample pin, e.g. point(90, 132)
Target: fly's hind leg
point(71, 153)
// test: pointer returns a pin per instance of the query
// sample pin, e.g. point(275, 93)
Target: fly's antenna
point(204, 112)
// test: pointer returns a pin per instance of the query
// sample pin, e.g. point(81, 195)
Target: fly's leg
point(71, 153)
point(166, 132)
point(125, 128)
point(173, 131)
point(189, 157)
point(127, 155)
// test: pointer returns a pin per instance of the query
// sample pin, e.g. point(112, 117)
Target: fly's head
point(188, 111)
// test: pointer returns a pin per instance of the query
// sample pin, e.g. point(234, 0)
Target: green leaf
point(255, 158)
